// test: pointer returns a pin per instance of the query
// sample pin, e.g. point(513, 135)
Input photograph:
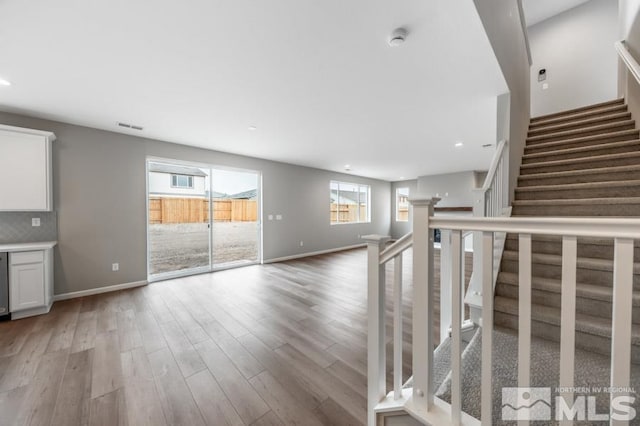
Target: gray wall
point(576, 49)
point(398, 229)
point(16, 227)
point(454, 189)
point(502, 23)
point(630, 31)
point(100, 191)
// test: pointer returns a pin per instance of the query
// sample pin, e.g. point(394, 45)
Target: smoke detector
point(398, 36)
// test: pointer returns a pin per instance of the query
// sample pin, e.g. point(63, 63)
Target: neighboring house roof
point(246, 195)
point(176, 170)
point(346, 197)
point(215, 194)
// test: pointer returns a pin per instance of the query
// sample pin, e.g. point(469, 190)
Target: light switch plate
point(35, 221)
point(278, 217)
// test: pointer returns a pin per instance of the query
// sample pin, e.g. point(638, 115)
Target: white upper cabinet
point(25, 169)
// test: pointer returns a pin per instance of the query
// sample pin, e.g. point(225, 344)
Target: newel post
point(423, 305)
point(376, 362)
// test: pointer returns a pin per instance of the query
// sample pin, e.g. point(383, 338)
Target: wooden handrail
point(628, 59)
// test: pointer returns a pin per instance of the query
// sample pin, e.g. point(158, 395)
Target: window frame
point(397, 203)
point(359, 190)
point(175, 177)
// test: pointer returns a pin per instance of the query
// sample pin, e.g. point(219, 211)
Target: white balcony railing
point(419, 400)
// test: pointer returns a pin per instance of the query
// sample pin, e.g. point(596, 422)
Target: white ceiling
point(317, 78)
point(538, 10)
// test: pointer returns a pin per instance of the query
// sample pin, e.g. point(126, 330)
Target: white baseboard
point(99, 290)
point(314, 253)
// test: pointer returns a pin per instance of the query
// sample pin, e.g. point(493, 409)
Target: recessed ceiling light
point(459, 145)
point(347, 167)
point(4, 82)
point(398, 36)
point(252, 128)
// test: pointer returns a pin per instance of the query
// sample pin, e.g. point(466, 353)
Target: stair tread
point(581, 130)
point(583, 122)
point(566, 173)
point(568, 161)
point(550, 315)
point(609, 145)
point(577, 186)
point(536, 122)
point(582, 262)
point(579, 110)
point(630, 132)
point(578, 201)
point(588, 291)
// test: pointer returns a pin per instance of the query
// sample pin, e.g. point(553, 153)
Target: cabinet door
point(24, 171)
point(26, 286)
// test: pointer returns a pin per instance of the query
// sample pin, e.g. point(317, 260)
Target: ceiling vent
point(130, 126)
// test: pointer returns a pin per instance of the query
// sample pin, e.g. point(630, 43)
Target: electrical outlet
point(35, 221)
point(301, 243)
point(270, 217)
point(115, 267)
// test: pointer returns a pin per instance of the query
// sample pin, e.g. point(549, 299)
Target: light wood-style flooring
point(263, 345)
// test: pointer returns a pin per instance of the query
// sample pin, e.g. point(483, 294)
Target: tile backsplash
point(15, 227)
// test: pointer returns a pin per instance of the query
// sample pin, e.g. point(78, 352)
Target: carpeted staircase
point(583, 162)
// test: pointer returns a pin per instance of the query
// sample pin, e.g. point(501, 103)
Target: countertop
point(27, 246)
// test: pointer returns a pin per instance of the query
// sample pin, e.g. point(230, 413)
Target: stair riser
point(603, 176)
point(576, 124)
point(626, 191)
point(581, 165)
point(592, 109)
point(554, 156)
point(580, 133)
point(589, 342)
point(595, 251)
point(617, 210)
point(599, 308)
point(585, 276)
point(604, 139)
point(598, 113)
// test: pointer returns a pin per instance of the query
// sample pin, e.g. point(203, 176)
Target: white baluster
point(568, 319)
point(397, 327)
point(621, 323)
point(524, 314)
point(487, 329)
point(456, 325)
point(445, 283)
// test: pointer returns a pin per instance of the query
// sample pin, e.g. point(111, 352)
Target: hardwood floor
point(263, 345)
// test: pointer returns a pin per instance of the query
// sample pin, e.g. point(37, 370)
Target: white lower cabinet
point(30, 283)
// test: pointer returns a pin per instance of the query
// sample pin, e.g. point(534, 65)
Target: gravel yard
point(174, 247)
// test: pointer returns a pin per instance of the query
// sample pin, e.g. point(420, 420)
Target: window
point(402, 205)
point(350, 202)
point(181, 181)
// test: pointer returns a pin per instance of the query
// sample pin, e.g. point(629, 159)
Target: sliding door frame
point(210, 268)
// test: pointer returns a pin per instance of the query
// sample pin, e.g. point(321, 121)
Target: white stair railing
point(492, 200)
point(419, 401)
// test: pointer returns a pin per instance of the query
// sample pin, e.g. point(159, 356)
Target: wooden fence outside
point(196, 210)
point(347, 213)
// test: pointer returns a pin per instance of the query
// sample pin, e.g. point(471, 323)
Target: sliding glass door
point(200, 218)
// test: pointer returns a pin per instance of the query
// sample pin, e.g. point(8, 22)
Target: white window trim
point(368, 205)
